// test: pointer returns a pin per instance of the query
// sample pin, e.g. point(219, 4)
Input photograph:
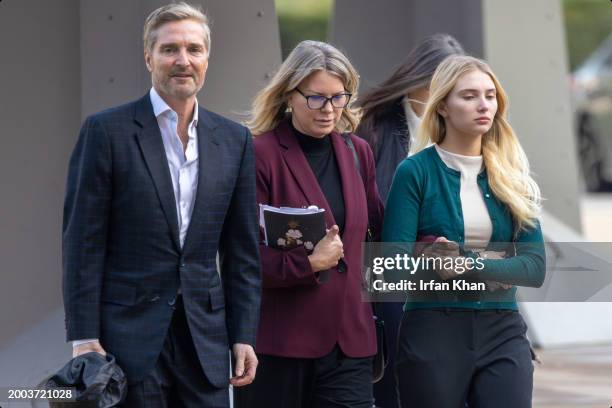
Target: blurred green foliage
point(587, 24)
point(302, 20)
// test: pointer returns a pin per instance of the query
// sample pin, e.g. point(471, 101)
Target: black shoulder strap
point(368, 238)
point(351, 146)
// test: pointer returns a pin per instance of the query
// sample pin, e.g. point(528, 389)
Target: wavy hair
point(270, 107)
point(169, 13)
point(504, 159)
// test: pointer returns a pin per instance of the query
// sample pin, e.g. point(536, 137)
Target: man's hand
point(245, 365)
point(88, 348)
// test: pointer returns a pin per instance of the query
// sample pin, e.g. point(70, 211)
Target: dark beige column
point(245, 49)
point(525, 45)
point(377, 35)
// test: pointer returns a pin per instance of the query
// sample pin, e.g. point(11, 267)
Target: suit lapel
point(152, 147)
point(209, 165)
point(301, 171)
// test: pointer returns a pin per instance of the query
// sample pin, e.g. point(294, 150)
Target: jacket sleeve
point(280, 268)
point(85, 228)
point(239, 255)
point(526, 268)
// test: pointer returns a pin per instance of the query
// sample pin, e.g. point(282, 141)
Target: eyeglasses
point(319, 101)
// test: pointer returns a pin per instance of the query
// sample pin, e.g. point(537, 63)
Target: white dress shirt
point(183, 164)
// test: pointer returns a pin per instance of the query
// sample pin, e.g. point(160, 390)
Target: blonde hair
point(270, 107)
point(504, 159)
point(173, 12)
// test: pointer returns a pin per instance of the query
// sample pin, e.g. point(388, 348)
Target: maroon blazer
point(300, 315)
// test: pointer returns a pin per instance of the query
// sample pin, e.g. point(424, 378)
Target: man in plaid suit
point(156, 188)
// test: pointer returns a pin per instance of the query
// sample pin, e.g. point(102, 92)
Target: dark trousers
point(385, 390)
point(448, 358)
point(331, 381)
point(177, 380)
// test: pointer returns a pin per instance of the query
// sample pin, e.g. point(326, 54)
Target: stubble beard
point(181, 92)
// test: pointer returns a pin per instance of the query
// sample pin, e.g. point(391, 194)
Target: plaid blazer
point(122, 262)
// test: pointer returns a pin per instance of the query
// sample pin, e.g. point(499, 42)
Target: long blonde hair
point(270, 107)
point(504, 159)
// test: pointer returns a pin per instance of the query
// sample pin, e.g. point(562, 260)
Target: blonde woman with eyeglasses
point(316, 336)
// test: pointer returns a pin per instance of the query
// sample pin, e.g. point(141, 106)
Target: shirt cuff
point(77, 343)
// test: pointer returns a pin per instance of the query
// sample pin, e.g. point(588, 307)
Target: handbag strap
point(351, 146)
point(349, 142)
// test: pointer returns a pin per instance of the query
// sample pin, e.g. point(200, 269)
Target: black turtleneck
point(319, 153)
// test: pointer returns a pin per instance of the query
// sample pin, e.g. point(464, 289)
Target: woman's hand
point(492, 286)
point(443, 248)
point(493, 254)
point(328, 251)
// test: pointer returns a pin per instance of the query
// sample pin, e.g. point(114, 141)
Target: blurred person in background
point(392, 113)
point(392, 110)
point(471, 190)
point(316, 336)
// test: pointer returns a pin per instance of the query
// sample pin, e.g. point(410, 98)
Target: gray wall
point(377, 35)
point(39, 118)
point(245, 48)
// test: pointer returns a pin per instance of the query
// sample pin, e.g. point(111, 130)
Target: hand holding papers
point(288, 227)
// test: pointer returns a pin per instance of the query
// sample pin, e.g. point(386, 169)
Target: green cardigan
point(424, 200)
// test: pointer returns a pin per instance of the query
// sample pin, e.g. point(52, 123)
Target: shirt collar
point(411, 118)
point(160, 106)
point(413, 122)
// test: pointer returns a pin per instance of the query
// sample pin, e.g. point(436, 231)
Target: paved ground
point(579, 376)
point(596, 211)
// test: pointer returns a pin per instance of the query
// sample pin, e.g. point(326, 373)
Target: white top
point(476, 220)
point(183, 165)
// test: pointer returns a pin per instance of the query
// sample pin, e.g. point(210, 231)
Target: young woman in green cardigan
point(471, 194)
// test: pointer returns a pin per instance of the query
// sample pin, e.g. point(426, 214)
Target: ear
point(290, 101)
point(442, 109)
point(147, 58)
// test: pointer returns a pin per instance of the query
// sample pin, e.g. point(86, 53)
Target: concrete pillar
point(40, 117)
point(529, 59)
